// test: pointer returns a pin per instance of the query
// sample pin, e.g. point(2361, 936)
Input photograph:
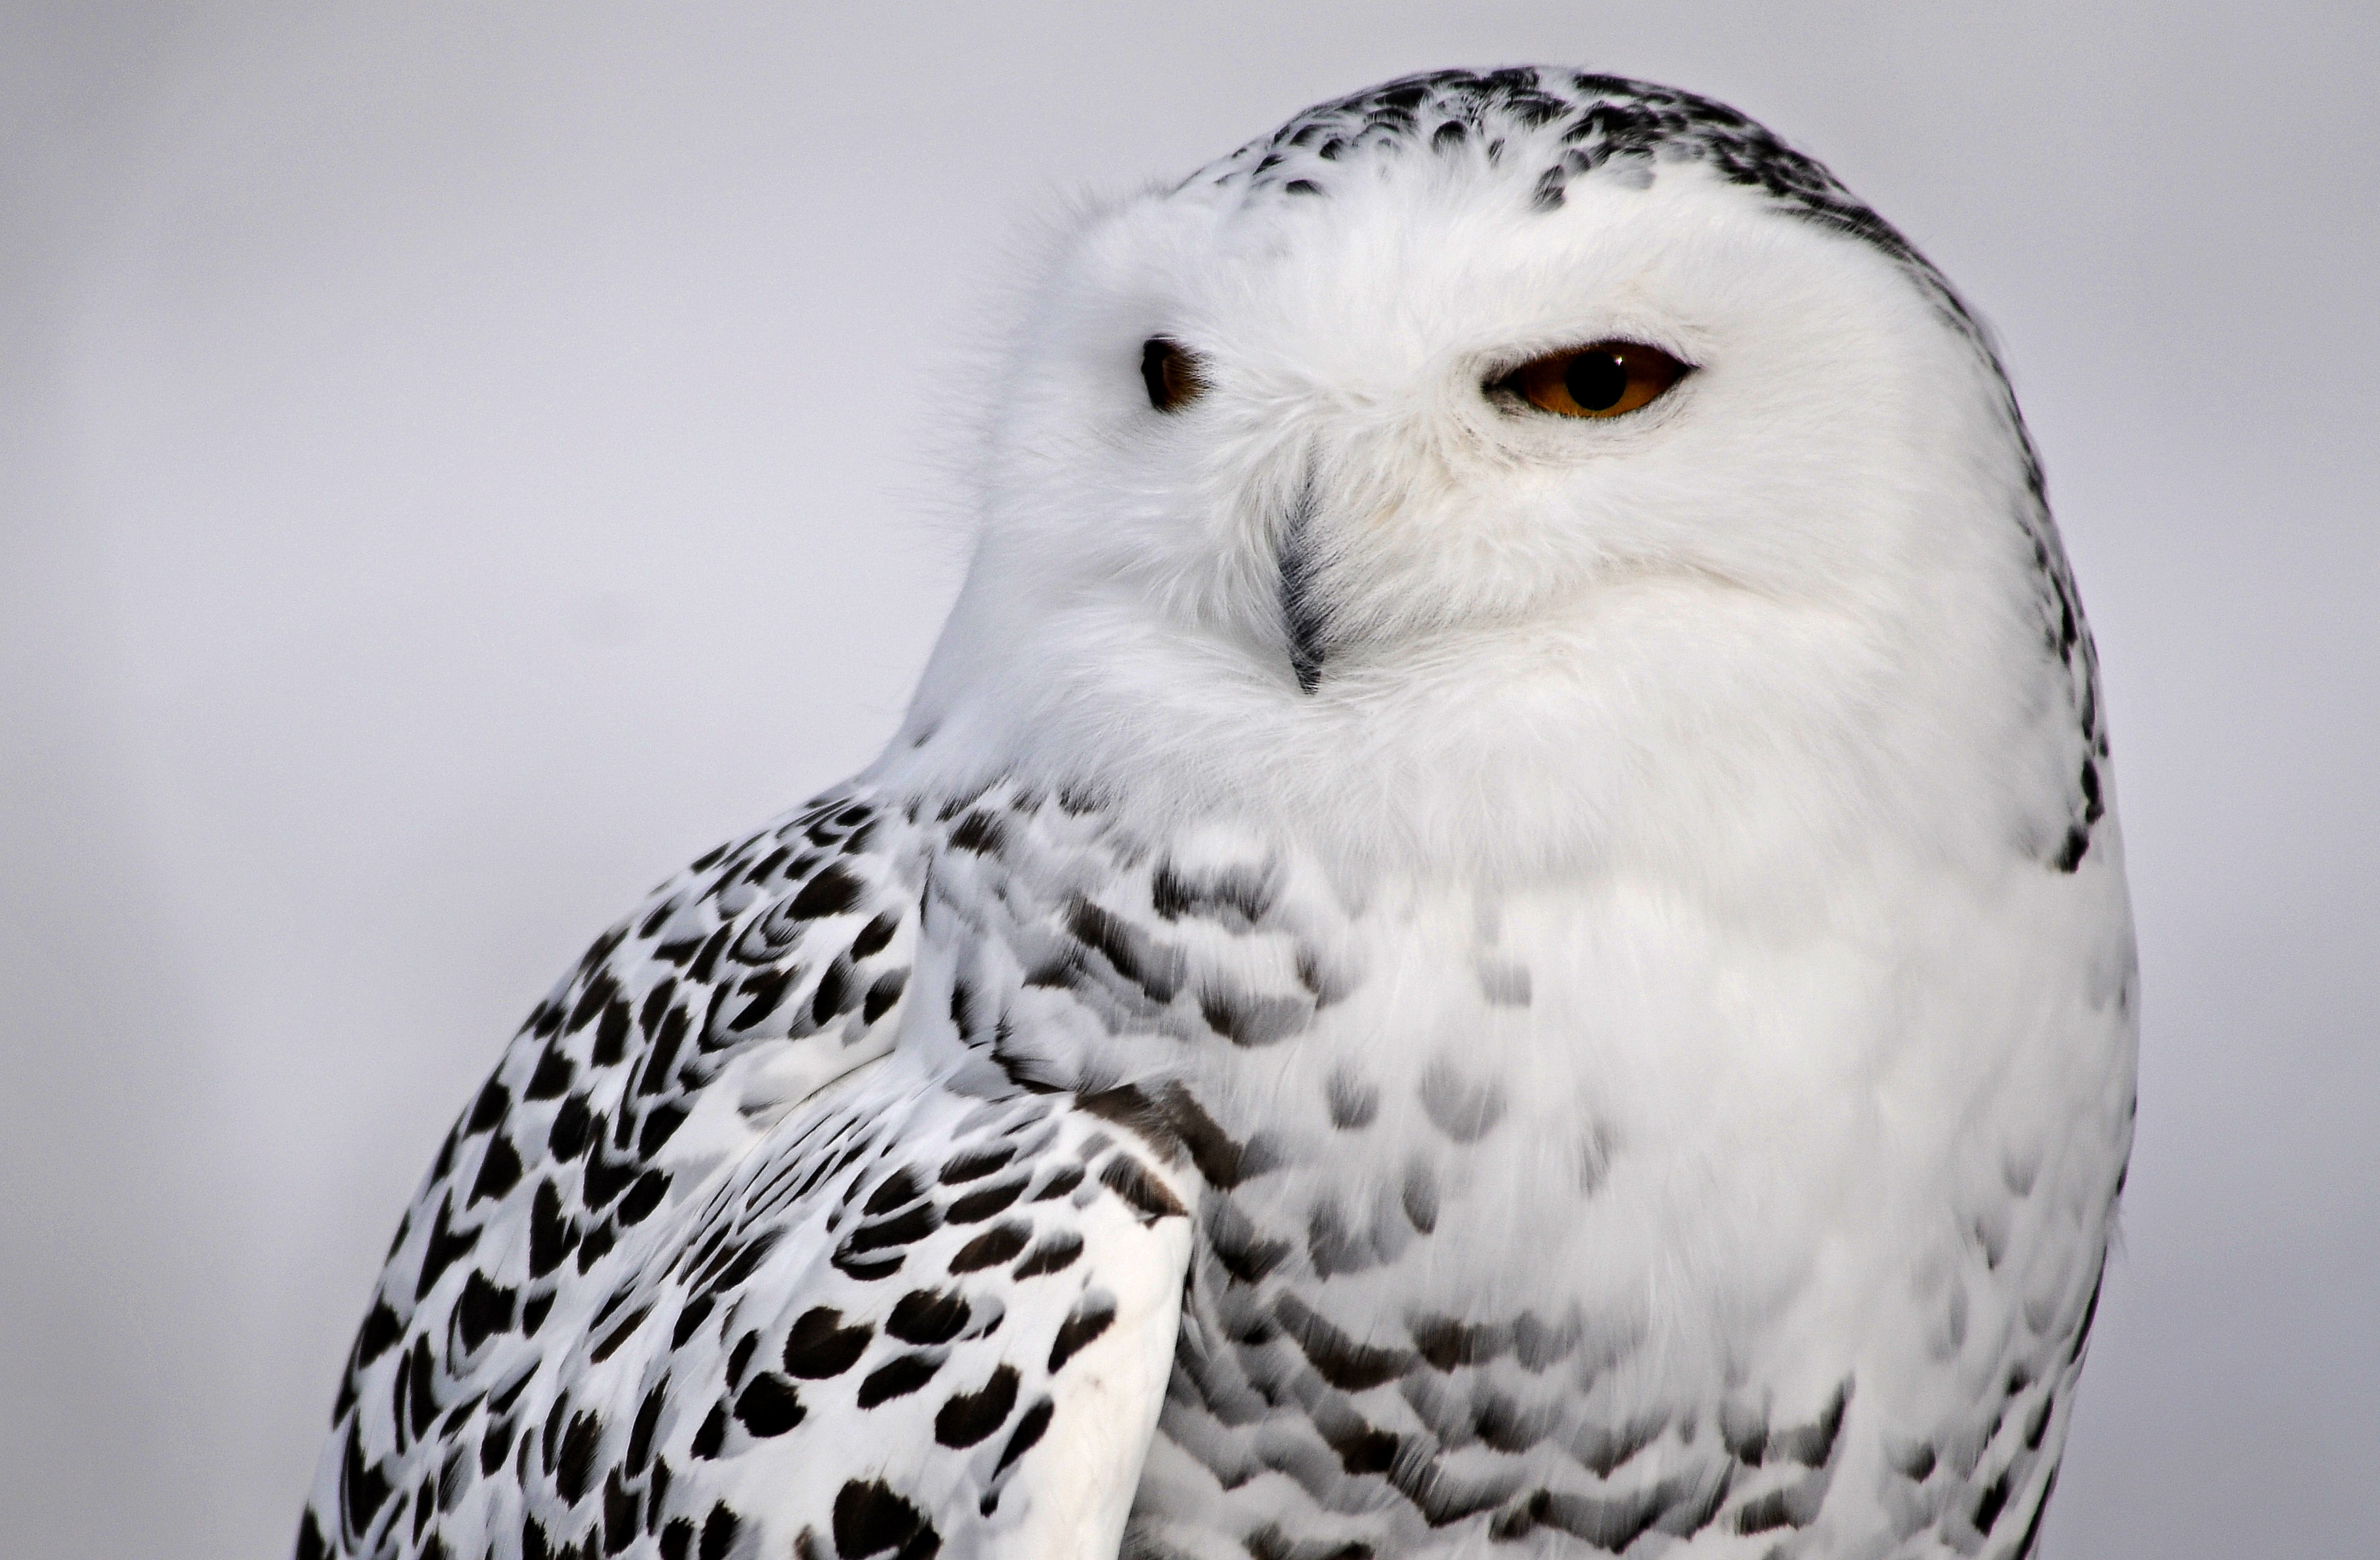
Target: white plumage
point(1433, 972)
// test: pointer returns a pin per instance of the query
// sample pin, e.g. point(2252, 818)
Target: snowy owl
point(1497, 929)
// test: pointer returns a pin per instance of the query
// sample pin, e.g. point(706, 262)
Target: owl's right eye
point(1171, 374)
point(1604, 379)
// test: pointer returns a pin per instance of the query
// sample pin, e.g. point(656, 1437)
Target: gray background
point(458, 463)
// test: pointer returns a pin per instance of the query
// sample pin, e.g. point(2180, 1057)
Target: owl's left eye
point(1604, 379)
point(1171, 374)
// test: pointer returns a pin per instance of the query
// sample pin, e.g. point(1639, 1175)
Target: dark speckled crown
point(1574, 123)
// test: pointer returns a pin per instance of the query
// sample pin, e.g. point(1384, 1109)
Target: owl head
point(1526, 454)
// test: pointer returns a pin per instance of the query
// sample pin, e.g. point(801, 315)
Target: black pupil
point(1157, 372)
point(1596, 380)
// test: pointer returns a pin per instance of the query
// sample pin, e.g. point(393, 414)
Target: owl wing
point(709, 1269)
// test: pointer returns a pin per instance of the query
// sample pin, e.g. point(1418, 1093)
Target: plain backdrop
point(457, 463)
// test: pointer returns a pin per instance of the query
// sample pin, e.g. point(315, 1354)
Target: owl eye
point(1604, 379)
point(1171, 374)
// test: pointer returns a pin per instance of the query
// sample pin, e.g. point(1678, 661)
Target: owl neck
point(1661, 728)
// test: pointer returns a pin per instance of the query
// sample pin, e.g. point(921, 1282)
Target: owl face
point(1347, 453)
point(1488, 449)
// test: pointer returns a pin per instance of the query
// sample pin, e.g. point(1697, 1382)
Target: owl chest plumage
point(1576, 1212)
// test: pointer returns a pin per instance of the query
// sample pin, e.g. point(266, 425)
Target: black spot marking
point(1237, 896)
point(1769, 1512)
point(883, 995)
point(1175, 1122)
point(1606, 1448)
point(378, 1333)
point(417, 1399)
point(706, 961)
point(488, 1110)
point(643, 1197)
point(980, 832)
point(1244, 1253)
point(871, 1520)
point(832, 998)
point(1268, 1542)
point(1331, 1246)
point(875, 935)
point(1147, 1196)
point(496, 1446)
point(1362, 1449)
point(1743, 1431)
point(620, 1509)
point(820, 1347)
point(1993, 1500)
point(2089, 1315)
point(2024, 1547)
point(896, 1190)
point(901, 1229)
point(590, 1002)
point(927, 1317)
point(577, 1460)
point(1449, 1345)
point(572, 1129)
point(769, 1406)
point(970, 1417)
point(718, 1530)
point(611, 1035)
point(693, 1316)
point(868, 1269)
point(641, 1434)
point(1028, 1430)
point(1254, 1021)
point(897, 1378)
point(1614, 1524)
point(1062, 1179)
point(712, 1433)
point(620, 1334)
point(973, 1164)
point(1812, 1445)
point(653, 1079)
point(979, 1205)
point(1092, 1315)
point(1055, 1254)
point(1353, 1103)
point(767, 991)
point(1420, 1197)
point(1157, 970)
point(1336, 1357)
point(444, 1247)
point(994, 1245)
point(831, 893)
point(604, 1178)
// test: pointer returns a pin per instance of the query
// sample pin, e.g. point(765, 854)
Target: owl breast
point(1582, 1212)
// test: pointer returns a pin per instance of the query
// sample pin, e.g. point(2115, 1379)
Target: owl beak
point(1301, 609)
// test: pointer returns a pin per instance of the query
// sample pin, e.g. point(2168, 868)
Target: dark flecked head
point(1568, 124)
